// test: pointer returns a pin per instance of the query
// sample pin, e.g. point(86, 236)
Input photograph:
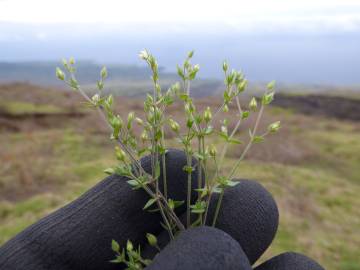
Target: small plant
point(193, 138)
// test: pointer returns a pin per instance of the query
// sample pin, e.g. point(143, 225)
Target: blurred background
point(52, 148)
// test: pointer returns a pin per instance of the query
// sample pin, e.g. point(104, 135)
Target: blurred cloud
point(301, 41)
point(255, 15)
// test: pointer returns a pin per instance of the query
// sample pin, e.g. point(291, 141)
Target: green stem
point(140, 171)
point(199, 168)
point(164, 175)
point(218, 205)
point(253, 133)
point(208, 201)
point(163, 158)
point(188, 201)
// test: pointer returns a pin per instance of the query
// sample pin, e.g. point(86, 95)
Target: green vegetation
point(194, 139)
point(311, 167)
point(21, 108)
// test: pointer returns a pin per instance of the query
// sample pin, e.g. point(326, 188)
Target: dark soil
point(330, 106)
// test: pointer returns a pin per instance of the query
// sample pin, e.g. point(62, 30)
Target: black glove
point(78, 236)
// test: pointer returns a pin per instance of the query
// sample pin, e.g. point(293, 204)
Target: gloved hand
point(78, 236)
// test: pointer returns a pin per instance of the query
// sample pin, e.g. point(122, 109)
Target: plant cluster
point(193, 138)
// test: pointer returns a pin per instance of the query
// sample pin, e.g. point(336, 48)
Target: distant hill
point(133, 80)
point(44, 72)
point(130, 80)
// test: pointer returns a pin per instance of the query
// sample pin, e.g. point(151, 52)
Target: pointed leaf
point(149, 203)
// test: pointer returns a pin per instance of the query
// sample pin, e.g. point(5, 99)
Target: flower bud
point(242, 85)
point(129, 246)
point(60, 74)
point(151, 239)
point(253, 104)
point(271, 85)
point(71, 61)
point(110, 100)
point(116, 122)
point(267, 98)
point(225, 66)
point(212, 150)
point(207, 114)
point(174, 125)
point(274, 127)
point(103, 73)
point(226, 108)
point(144, 55)
point(131, 117)
point(120, 154)
point(144, 136)
point(64, 62)
point(176, 87)
point(139, 121)
point(224, 130)
point(95, 99)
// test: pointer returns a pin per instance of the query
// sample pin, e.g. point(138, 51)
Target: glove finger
point(199, 249)
point(290, 260)
point(78, 236)
point(250, 215)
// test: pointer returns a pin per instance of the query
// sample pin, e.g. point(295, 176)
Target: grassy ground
point(311, 167)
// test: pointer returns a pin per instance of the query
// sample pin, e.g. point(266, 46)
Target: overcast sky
point(243, 15)
point(310, 41)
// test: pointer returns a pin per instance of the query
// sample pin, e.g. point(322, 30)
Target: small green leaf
point(199, 156)
point(151, 239)
point(115, 246)
point(177, 204)
point(267, 98)
point(235, 141)
point(109, 171)
point(245, 114)
point(258, 139)
point(180, 72)
point(208, 130)
point(147, 262)
point(184, 96)
point(118, 259)
point(188, 169)
point(133, 183)
point(129, 246)
point(217, 190)
point(231, 183)
point(149, 203)
point(198, 208)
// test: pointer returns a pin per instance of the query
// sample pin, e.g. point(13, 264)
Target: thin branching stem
point(218, 205)
point(233, 171)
